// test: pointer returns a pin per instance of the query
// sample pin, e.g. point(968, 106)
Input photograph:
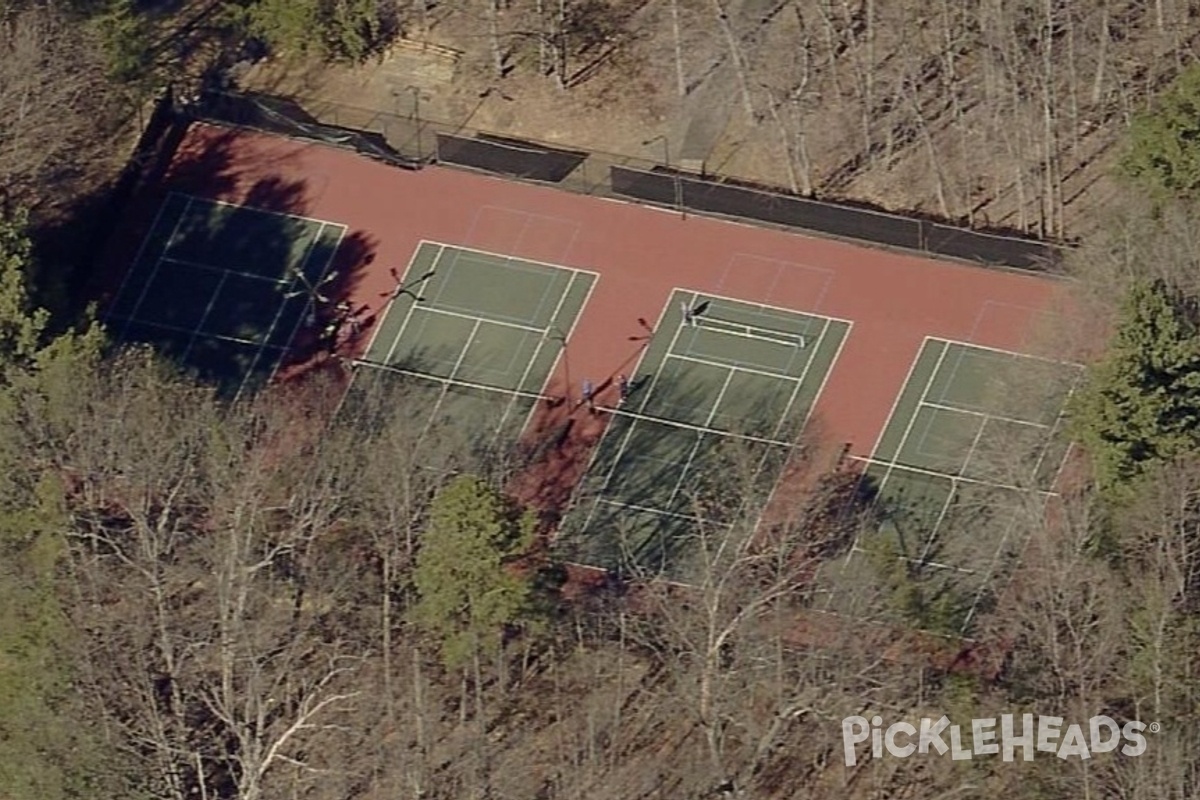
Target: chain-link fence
point(412, 142)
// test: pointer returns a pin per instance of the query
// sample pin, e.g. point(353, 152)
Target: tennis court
point(972, 449)
point(478, 333)
point(224, 289)
point(718, 402)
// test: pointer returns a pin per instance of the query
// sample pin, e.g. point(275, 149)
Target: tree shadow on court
point(72, 242)
point(245, 288)
point(920, 569)
point(652, 484)
point(487, 424)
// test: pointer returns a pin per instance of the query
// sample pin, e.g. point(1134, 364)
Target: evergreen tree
point(327, 30)
point(1141, 404)
point(21, 325)
point(468, 589)
point(49, 748)
point(1164, 148)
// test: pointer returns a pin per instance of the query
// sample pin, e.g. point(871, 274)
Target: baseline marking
point(308, 251)
point(166, 326)
point(141, 252)
point(629, 434)
point(324, 271)
point(157, 266)
point(207, 310)
point(462, 313)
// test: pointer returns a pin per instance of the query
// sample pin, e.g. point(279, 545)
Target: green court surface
point(716, 411)
point(220, 287)
point(481, 332)
point(969, 456)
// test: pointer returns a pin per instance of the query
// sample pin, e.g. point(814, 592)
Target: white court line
point(992, 569)
point(570, 332)
point(648, 510)
point(412, 259)
point(934, 564)
point(837, 355)
point(562, 345)
point(799, 381)
point(504, 256)
point(1002, 351)
point(971, 450)
point(645, 398)
point(157, 266)
point(141, 251)
point(191, 331)
point(807, 414)
point(479, 317)
point(934, 532)
point(257, 210)
point(662, 313)
point(451, 382)
point(204, 317)
point(446, 387)
point(1062, 416)
point(912, 421)
point(791, 312)
point(437, 260)
point(782, 338)
point(467, 346)
point(825, 272)
point(687, 466)
point(973, 412)
point(697, 429)
point(900, 445)
point(321, 276)
point(209, 268)
point(934, 474)
point(900, 393)
point(706, 362)
point(562, 298)
point(308, 251)
point(510, 263)
point(442, 272)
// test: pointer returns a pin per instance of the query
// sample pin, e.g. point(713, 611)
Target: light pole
point(674, 173)
point(483, 96)
point(416, 114)
point(560, 337)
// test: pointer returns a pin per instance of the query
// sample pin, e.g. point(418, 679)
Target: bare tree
point(54, 101)
point(220, 522)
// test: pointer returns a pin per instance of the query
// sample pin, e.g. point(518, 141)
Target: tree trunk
point(497, 47)
point(735, 58)
point(680, 81)
point(1101, 55)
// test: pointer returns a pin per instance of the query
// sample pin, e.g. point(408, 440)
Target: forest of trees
point(264, 599)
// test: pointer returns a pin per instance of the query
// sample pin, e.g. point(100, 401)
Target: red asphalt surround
point(641, 254)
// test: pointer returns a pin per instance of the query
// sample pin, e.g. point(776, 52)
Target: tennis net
point(750, 331)
point(701, 430)
point(457, 383)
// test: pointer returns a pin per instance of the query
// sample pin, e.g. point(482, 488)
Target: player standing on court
point(589, 394)
point(622, 390)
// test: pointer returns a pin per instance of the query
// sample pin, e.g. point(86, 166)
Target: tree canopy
point(1140, 405)
point(1164, 142)
point(468, 590)
point(330, 30)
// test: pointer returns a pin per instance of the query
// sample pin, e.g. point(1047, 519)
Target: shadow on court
point(483, 426)
point(664, 472)
point(932, 552)
point(233, 293)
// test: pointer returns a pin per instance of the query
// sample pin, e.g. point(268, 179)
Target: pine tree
point(1141, 404)
point(468, 591)
point(1164, 146)
point(21, 325)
